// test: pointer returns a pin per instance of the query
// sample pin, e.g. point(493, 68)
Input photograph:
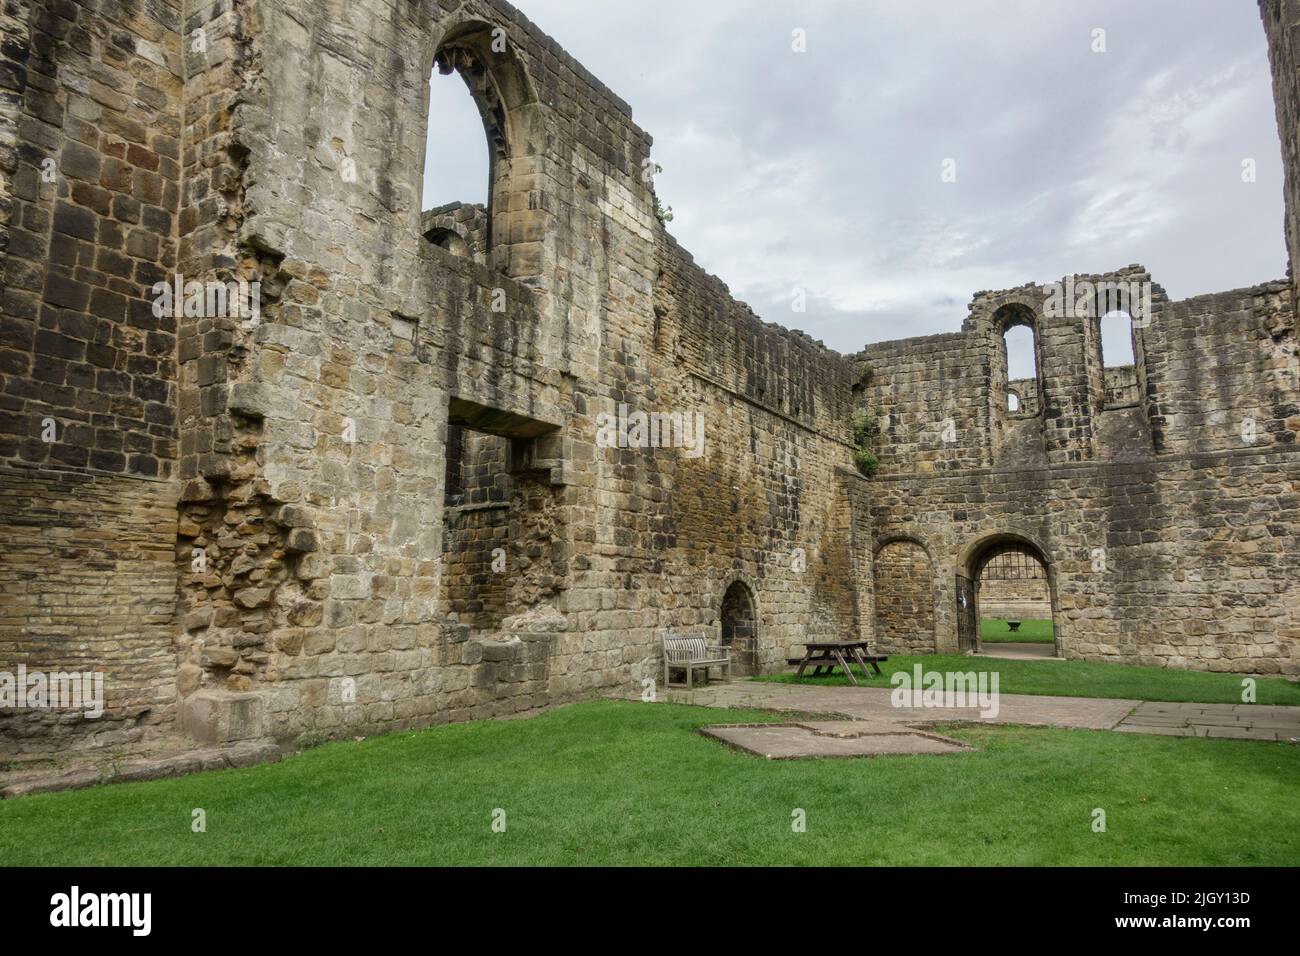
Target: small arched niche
point(904, 588)
point(448, 239)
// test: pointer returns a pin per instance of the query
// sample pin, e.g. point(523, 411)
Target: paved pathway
point(876, 718)
point(1233, 721)
point(1019, 651)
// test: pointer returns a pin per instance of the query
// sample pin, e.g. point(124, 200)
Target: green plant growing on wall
point(664, 213)
point(866, 429)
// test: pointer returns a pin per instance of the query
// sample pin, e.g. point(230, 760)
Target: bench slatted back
point(683, 650)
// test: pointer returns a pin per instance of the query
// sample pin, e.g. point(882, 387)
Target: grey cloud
point(821, 170)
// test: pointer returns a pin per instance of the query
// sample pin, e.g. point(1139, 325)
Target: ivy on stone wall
point(866, 429)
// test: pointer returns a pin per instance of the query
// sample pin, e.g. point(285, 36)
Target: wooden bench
point(691, 654)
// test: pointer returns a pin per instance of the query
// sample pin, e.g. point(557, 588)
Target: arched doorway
point(740, 628)
point(903, 579)
point(1006, 598)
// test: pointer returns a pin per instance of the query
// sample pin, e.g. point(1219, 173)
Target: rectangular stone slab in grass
point(793, 741)
point(853, 728)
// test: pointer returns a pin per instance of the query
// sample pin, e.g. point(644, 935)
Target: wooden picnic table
point(828, 654)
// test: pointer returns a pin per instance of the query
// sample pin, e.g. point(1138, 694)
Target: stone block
point(221, 717)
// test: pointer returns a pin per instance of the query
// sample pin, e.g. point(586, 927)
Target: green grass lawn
point(1031, 632)
point(1080, 679)
point(606, 782)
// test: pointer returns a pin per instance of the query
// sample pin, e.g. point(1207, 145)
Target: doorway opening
point(740, 628)
point(1005, 600)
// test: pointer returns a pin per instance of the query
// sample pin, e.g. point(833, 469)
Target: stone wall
point(562, 320)
point(286, 520)
point(477, 532)
point(91, 110)
point(88, 582)
point(1281, 18)
point(372, 341)
point(1186, 504)
point(91, 192)
point(1122, 387)
point(766, 503)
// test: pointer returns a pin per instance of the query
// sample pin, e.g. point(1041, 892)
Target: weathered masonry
point(384, 492)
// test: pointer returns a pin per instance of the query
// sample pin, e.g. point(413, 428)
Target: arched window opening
point(1119, 371)
point(1116, 339)
point(457, 172)
point(476, 183)
point(456, 163)
point(1021, 364)
point(1017, 373)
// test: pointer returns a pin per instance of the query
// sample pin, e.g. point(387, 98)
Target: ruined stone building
point(377, 496)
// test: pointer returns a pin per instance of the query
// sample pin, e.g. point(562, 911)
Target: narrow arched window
point(1119, 371)
point(1116, 339)
point(480, 194)
point(456, 165)
point(457, 170)
point(1016, 375)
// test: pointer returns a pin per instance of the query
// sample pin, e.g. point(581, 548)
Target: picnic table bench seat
point(828, 654)
point(869, 658)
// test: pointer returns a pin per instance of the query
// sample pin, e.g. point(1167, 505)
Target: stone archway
point(739, 632)
point(1005, 577)
point(904, 588)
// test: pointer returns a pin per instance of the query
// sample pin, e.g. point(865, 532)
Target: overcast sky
point(822, 170)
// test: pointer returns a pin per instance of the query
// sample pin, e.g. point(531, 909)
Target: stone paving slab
point(1235, 733)
point(168, 764)
point(1020, 651)
point(794, 741)
point(1254, 711)
point(1225, 721)
point(874, 705)
point(1164, 731)
point(852, 728)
